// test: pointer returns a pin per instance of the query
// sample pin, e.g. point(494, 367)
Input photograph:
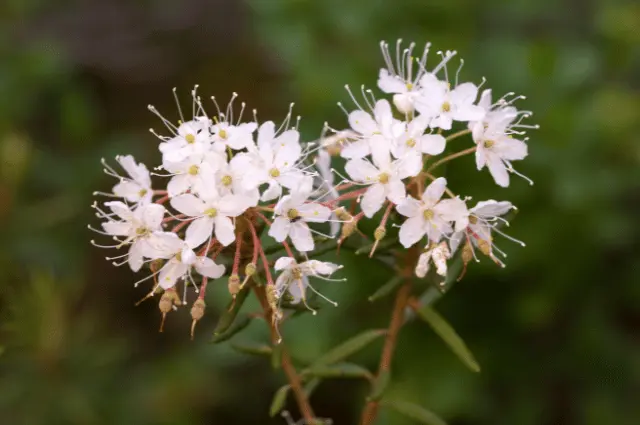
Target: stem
point(450, 157)
point(290, 371)
point(370, 411)
point(457, 134)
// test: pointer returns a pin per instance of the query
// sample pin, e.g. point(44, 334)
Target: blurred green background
point(557, 332)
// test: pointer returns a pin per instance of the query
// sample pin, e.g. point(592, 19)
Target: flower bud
point(379, 234)
point(250, 269)
point(484, 247)
point(234, 284)
point(197, 312)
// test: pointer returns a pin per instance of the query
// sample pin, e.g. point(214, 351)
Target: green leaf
point(449, 336)
point(238, 325)
point(340, 370)
point(414, 411)
point(229, 316)
point(386, 289)
point(310, 386)
point(279, 399)
point(255, 348)
point(348, 347)
point(379, 386)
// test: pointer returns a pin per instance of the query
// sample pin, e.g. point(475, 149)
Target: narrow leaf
point(229, 316)
point(379, 386)
point(279, 399)
point(254, 348)
point(449, 336)
point(340, 370)
point(415, 412)
point(386, 289)
point(348, 347)
point(238, 325)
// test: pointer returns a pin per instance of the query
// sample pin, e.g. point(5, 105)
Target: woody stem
point(370, 411)
point(289, 369)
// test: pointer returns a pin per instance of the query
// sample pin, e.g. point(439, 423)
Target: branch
point(397, 320)
point(290, 371)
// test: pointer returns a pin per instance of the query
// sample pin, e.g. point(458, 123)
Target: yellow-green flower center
point(409, 86)
point(142, 192)
point(446, 107)
point(194, 170)
point(190, 138)
point(274, 172)
point(384, 178)
point(293, 214)
point(489, 143)
point(411, 142)
point(473, 219)
point(227, 180)
point(211, 212)
point(428, 214)
point(223, 134)
point(142, 231)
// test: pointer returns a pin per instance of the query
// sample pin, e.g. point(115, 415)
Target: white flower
point(235, 137)
point(137, 187)
point(293, 213)
point(439, 254)
point(494, 137)
point(294, 277)
point(483, 219)
point(384, 177)
point(229, 178)
point(323, 165)
point(430, 215)
point(211, 211)
point(399, 78)
point(496, 150)
point(136, 226)
point(181, 260)
point(275, 161)
point(191, 172)
point(444, 105)
point(192, 138)
point(377, 131)
point(413, 139)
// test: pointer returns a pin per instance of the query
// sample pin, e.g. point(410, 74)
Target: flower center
point(446, 107)
point(190, 138)
point(293, 214)
point(428, 214)
point(142, 192)
point(384, 178)
point(274, 172)
point(296, 273)
point(179, 256)
point(411, 142)
point(193, 170)
point(223, 134)
point(473, 219)
point(142, 231)
point(489, 143)
point(227, 180)
point(409, 86)
point(211, 212)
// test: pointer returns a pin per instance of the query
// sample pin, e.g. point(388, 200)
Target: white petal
point(314, 213)
point(390, 83)
point(481, 158)
point(411, 231)
point(491, 208)
point(120, 209)
point(279, 229)
point(395, 191)
point(128, 189)
point(409, 207)
point(301, 236)
point(199, 231)
point(187, 256)
point(510, 149)
point(266, 133)
point(273, 191)
point(232, 205)
point(162, 245)
point(498, 170)
point(465, 93)
point(356, 149)
point(117, 228)
point(152, 216)
point(284, 263)
point(135, 256)
point(434, 191)
point(409, 165)
point(373, 199)
point(188, 204)
point(361, 170)
point(432, 144)
point(207, 267)
point(170, 273)
point(225, 230)
point(178, 184)
point(363, 123)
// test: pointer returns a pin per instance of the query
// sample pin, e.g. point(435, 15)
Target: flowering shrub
point(247, 200)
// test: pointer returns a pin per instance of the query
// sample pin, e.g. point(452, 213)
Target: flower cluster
point(391, 153)
point(223, 176)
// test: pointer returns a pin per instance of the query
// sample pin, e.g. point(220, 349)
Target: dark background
point(556, 332)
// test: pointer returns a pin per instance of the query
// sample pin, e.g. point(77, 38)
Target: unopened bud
point(197, 313)
point(343, 214)
point(234, 284)
point(166, 303)
point(379, 233)
point(250, 269)
point(467, 253)
point(272, 296)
